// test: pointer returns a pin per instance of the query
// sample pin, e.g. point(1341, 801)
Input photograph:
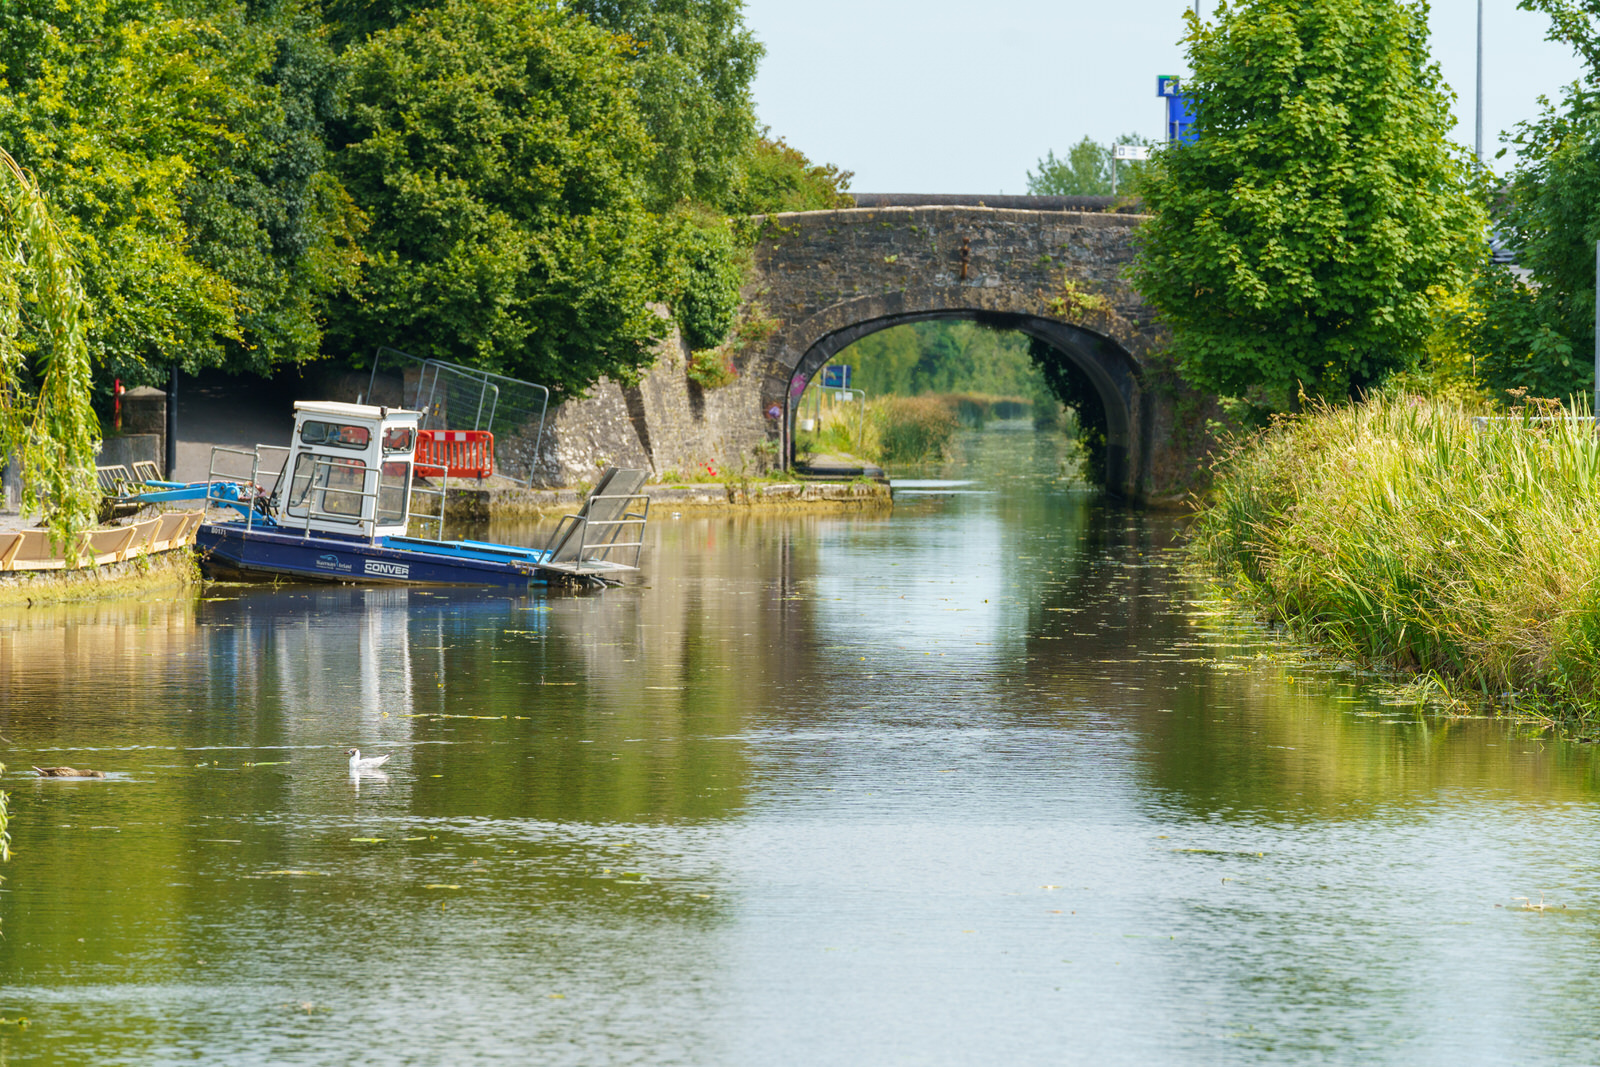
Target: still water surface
point(981, 781)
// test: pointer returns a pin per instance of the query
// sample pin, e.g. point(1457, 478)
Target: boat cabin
point(349, 469)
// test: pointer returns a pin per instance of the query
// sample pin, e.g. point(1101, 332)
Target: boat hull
point(228, 548)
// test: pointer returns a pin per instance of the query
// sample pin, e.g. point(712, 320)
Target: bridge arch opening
point(1086, 371)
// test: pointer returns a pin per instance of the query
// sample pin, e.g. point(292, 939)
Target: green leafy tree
point(495, 149)
point(185, 155)
point(1295, 243)
point(700, 274)
point(779, 177)
point(46, 419)
point(943, 357)
point(692, 62)
point(113, 108)
point(269, 218)
point(1538, 334)
point(1086, 169)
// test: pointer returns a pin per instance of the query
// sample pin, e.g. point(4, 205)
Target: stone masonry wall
point(825, 278)
point(667, 423)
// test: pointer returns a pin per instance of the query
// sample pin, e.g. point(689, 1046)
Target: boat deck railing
point(216, 477)
point(437, 520)
point(317, 491)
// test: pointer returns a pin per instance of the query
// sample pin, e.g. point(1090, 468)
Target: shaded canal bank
point(979, 779)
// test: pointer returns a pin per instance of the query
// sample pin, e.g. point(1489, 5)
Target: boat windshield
point(335, 435)
point(334, 487)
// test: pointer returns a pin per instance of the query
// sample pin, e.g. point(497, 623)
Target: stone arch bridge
point(1050, 267)
point(823, 279)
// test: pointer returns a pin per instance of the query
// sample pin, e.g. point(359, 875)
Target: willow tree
point(46, 421)
point(1295, 243)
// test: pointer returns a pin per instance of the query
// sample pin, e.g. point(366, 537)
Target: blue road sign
point(1180, 110)
point(1180, 119)
point(836, 376)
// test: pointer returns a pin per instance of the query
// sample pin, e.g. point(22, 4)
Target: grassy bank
point(163, 574)
point(1395, 532)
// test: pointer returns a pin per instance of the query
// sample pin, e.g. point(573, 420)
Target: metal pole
point(1113, 170)
point(1478, 143)
point(172, 424)
point(1596, 410)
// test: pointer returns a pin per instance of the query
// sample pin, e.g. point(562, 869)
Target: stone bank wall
point(667, 423)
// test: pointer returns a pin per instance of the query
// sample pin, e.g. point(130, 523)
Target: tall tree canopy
point(1086, 169)
point(269, 217)
point(512, 183)
point(1295, 243)
point(184, 154)
point(692, 62)
point(495, 148)
point(112, 106)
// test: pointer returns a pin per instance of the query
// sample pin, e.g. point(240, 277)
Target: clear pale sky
point(955, 96)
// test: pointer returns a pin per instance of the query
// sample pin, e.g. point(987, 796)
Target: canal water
point(987, 780)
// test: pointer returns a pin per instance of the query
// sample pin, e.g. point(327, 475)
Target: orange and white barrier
point(455, 453)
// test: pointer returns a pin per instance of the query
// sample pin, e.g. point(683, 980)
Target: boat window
point(394, 491)
point(333, 483)
point(335, 435)
point(398, 439)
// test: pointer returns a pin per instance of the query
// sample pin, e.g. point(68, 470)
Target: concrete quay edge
point(475, 505)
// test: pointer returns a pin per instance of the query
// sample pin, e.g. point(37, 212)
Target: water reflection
point(976, 781)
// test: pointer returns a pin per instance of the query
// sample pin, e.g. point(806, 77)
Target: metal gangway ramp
point(583, 544)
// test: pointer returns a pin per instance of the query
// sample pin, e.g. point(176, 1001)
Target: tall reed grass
point(913, 428)
point(1396, 531)
point(896, 429)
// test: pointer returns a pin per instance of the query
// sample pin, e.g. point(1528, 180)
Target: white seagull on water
point(359, 763)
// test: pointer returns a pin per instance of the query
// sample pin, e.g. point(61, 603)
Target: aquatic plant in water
point(5, 821)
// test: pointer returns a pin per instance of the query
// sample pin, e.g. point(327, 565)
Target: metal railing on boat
point(316, 491)
point(216, 479)
point(420, 488)
point(578, 554)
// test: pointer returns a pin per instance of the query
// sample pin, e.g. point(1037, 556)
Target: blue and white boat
point(339, 509)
